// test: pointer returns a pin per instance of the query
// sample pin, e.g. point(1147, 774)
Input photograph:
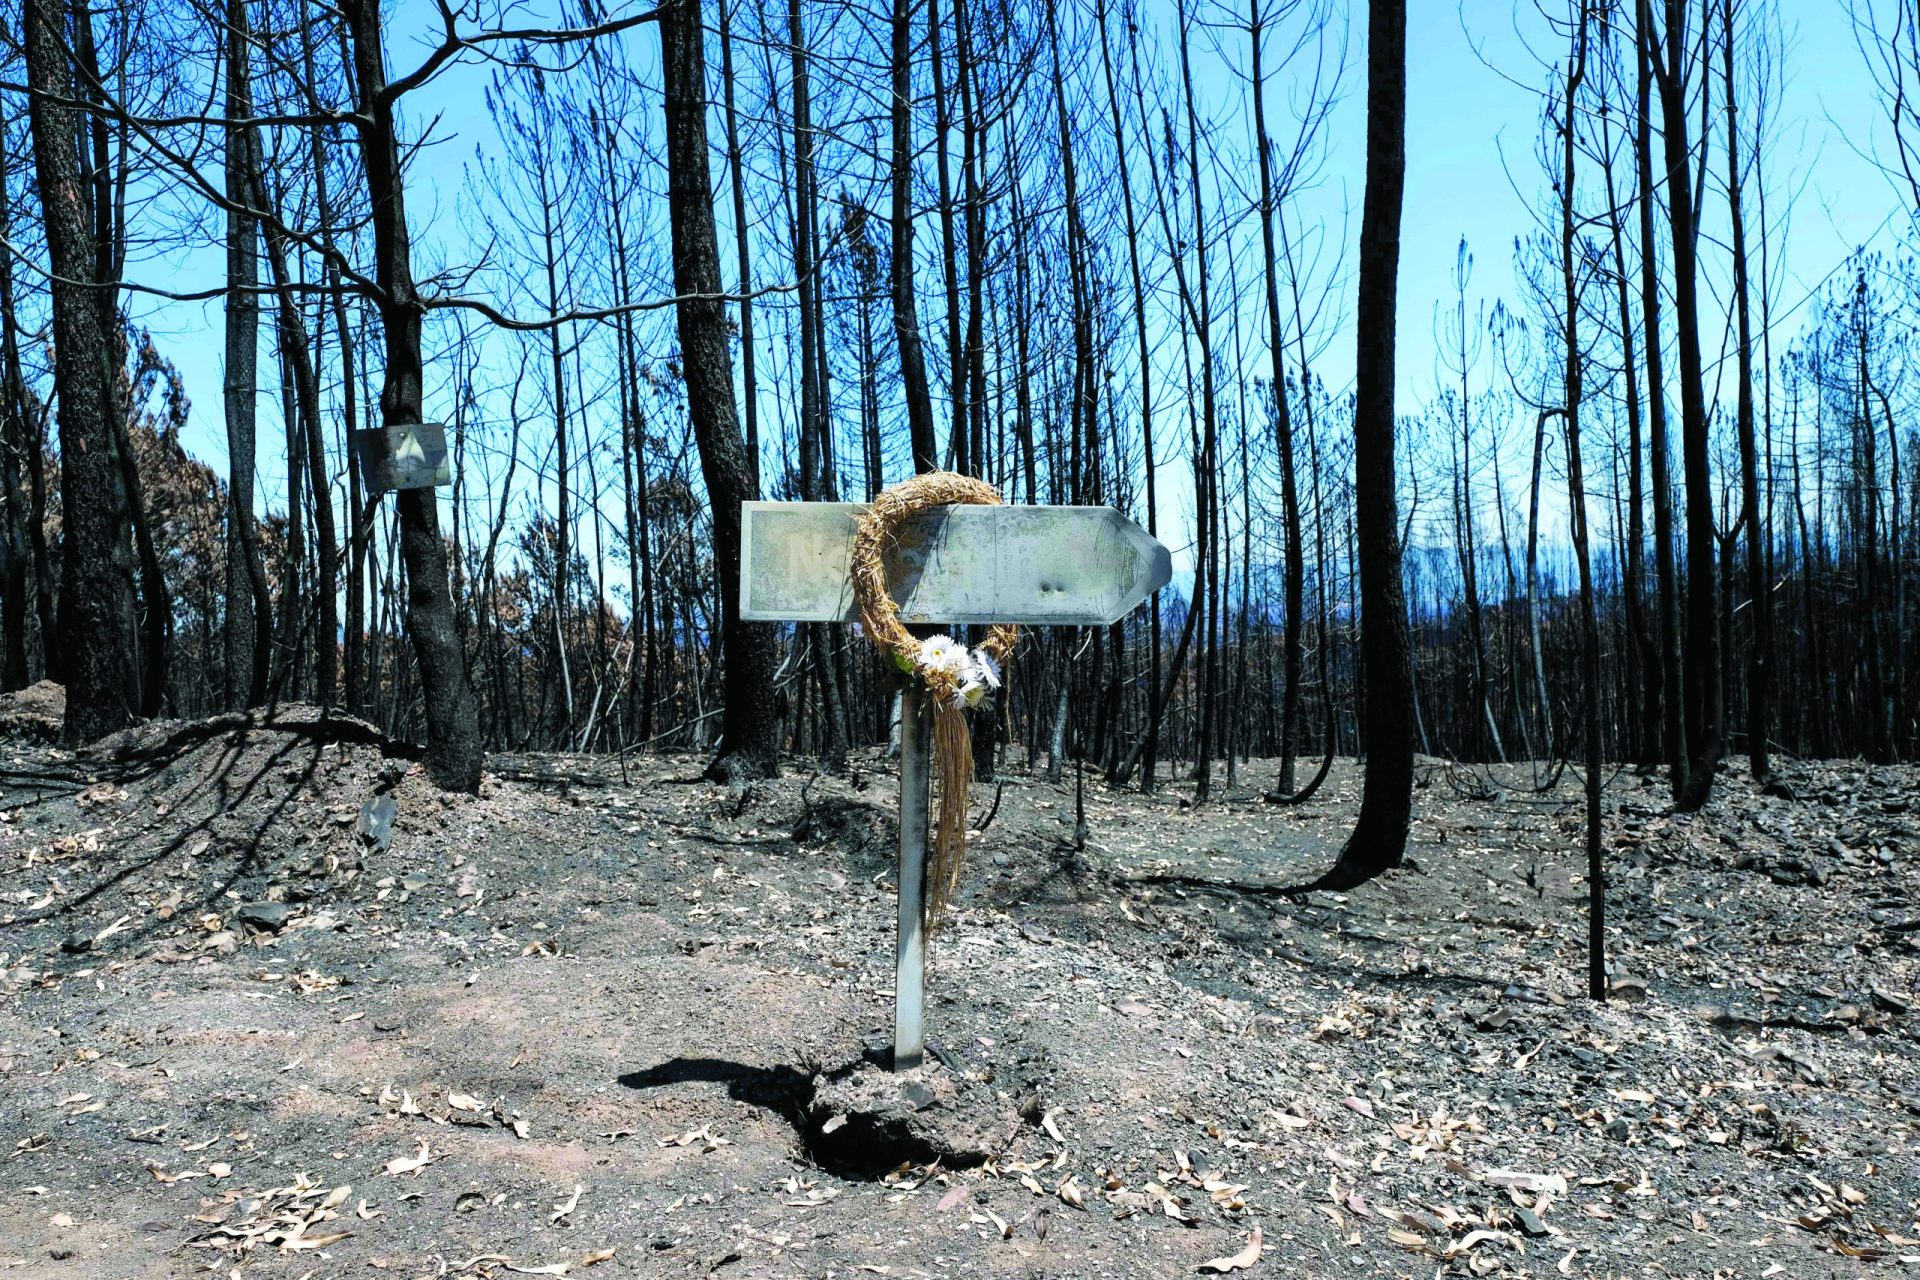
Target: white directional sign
point(1037, 566)
point(1041, 566)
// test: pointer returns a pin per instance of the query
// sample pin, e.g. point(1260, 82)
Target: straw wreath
point(955, 677)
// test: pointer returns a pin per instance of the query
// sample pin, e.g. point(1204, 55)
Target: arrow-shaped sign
point(1039, 566)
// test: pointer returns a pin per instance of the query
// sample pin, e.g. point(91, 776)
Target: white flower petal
point(943, 653)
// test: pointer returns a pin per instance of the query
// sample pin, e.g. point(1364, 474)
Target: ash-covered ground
point(611, 1020)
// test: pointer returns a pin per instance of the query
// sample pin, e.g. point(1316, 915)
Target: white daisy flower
point(943, 653)
point(971, 692)
point(989, 669)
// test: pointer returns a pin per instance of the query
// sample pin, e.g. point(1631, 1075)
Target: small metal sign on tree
point(940, 549)
point(410, 456)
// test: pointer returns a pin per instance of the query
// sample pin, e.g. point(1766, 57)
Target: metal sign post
point(960, 565)
point(910, 950)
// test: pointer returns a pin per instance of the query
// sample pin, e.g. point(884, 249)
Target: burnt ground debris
point(237, 1033)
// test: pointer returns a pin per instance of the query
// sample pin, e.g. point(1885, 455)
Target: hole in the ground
point(866, 1147)
point(854, 1143)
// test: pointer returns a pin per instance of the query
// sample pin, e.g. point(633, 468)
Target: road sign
point(1039, 566)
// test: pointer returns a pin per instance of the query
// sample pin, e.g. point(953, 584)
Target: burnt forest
point(1048, 639)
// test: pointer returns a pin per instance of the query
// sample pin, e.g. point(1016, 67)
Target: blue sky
point(1462, 118)
point(1471, 124)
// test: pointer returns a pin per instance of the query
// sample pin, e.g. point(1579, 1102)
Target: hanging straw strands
point(954, 678)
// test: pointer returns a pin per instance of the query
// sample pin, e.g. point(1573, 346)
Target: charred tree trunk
point(906, 318)
point(97, 624)
point(1295, 570)
point(295, 349)
point(1672, 720)
point(103, 174)
point(815, 456)
point(19, 440)
point(1760, 655)
point(1549, 740)
point(1199, 307)
point(1704, 704)
point(749, 735)
point(1148, 751)
point(248, 609)
point(748, 380)
point(1379, 838)
point(1577, 500)
point(357, 513)
point(454, 751)
point(1643, 658)
point(957, 439)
